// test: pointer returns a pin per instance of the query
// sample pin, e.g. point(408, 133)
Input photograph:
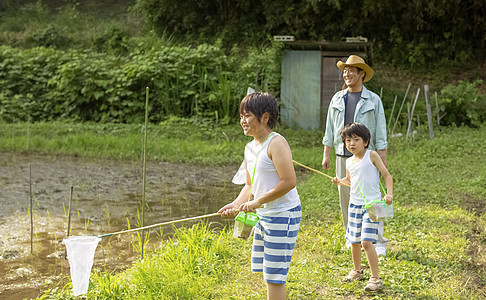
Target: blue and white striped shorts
point(360, 227)
point(273, 244)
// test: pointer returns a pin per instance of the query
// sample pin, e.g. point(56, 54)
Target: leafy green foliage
point(76, 85)
point(415, 33)
point(462, 104)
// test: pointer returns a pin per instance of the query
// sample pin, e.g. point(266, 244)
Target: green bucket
point(244, 224)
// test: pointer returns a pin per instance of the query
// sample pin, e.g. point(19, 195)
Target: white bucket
point(80, 253)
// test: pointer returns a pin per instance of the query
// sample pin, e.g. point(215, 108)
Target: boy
point(362, 173)
point(270, 181)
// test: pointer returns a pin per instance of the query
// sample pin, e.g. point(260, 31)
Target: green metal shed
point(310, 78)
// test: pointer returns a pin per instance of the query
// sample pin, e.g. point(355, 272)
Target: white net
point(80, 254)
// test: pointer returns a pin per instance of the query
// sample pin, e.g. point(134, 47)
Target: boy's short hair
point(356, 129)
point(259, 103)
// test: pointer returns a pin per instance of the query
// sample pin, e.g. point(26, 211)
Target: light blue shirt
point(369, 111)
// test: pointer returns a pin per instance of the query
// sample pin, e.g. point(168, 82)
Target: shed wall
point(301, 89)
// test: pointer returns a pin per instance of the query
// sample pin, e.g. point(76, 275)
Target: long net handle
point(319, 172)
point(160, 224)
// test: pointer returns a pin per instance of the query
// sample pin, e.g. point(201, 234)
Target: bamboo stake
point(144, 167)
point(437, 108)
point(391, 114)
point(69, 216)
point(400, 110)
point(31, 208)
point(69, 210)
point(31, 212)
point(411, 113)
point(159, 224)
point(319, 172)
point(429, 112)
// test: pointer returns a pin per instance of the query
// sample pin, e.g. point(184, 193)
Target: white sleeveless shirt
point(266, 177)
point(368, 176)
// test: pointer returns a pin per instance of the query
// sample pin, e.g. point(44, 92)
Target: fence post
point(391, 114)
point(437, 108)
point(401, 106)
point(429, 111)
point(411, 113)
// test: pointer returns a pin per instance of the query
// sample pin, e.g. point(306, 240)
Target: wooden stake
point(437, 108)
point(69, 210)
point(401, 106)
point(391, 114)
point(144, 167)
point(429, 111)
point(31, 208)
point(411, 113)
point(31, 212)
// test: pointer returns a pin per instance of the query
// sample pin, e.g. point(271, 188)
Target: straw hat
point(356, 61)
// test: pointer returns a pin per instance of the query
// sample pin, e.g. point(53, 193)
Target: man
point(354, 104)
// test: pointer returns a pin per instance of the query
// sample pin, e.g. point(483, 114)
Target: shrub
point(462, 104)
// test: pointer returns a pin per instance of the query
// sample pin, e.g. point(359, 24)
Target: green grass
point(437, 237)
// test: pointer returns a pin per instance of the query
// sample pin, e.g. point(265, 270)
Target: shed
point(310, 78)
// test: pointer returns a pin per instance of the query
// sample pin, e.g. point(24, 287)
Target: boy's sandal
point(374, 284)
point(354, 275)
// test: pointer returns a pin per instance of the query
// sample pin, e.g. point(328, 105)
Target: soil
point(106, 197)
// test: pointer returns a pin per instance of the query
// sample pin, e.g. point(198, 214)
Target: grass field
point(437, 237)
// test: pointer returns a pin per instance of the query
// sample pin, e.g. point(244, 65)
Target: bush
point(462, 104)
point(49, 84)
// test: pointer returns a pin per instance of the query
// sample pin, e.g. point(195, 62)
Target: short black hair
point(259, 103)
point(356, 129)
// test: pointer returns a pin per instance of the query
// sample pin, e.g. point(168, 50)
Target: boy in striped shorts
point(363, 175)
point(270, 182)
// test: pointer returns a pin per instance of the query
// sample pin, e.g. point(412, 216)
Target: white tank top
point(266, 177)
point(369, 179)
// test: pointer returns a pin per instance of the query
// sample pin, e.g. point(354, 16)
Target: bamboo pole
point(391, 114)
point(31, 207)
point(401, 106)
point(314, 170)
point(411, 113)
point(69, 217)
point(159, 224)
point(437, 108)
point(31, 212)
point(144, 167)
point(429, 112)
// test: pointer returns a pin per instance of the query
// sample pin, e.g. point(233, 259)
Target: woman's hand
point(228, 211)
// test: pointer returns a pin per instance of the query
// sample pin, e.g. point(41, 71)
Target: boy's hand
point(249, 206)
point(228, 211)
point(336, 181)
point(388, 199)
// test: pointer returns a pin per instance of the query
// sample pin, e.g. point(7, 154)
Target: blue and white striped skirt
point(273, 244)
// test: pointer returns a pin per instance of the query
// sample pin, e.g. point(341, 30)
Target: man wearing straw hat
point(354, 104)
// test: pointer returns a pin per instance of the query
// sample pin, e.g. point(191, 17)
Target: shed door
point(301, 89)
point(332, 81)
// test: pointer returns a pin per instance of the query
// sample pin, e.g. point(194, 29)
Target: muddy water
point(106, 197)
